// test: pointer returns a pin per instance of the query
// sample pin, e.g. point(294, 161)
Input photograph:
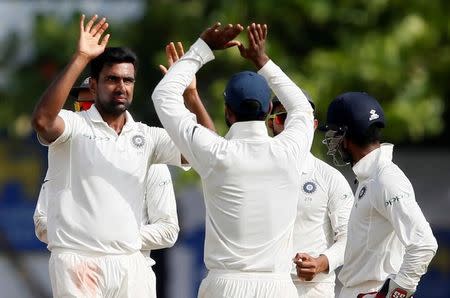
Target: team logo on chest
point(138, 141)
point(362, 192)
point(309, 187)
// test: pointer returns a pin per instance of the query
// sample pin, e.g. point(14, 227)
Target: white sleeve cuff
point(203, 51)
point(267, 69)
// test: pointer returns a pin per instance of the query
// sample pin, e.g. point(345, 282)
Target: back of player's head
point(276, 102)
point(112, 55)
point(247, 94)
point(358, 115)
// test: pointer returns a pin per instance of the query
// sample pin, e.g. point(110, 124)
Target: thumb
point(232, 44)
point(163, 69)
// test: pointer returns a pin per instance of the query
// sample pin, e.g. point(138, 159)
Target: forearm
point(289, 94)
point(159, 235)
point(54, 98)
point(194, 104)
point(168, 94)
point(335, 253)
point(415, 263)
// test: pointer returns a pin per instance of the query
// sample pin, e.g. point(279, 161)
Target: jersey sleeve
point(161, 229)
point(340, 204)
point(398, 205)
point(70, 123)
point(195, 141)
point(40, 215)
point(298, 131)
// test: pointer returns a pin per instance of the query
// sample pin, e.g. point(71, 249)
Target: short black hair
point(249, 110)
point(372, 135)
point(112, 55)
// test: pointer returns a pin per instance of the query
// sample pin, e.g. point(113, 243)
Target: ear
point(316, 123)
point(93, 86)
point(229, 115)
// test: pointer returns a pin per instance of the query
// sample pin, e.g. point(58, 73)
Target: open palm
point(91, 42)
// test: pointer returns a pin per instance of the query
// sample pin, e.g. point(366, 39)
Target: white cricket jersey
point(324, 206)
point(159, 220)
point(96, 182)
point(387, 232)
point(251, 181)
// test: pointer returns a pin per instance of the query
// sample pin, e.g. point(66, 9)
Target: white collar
point(95, 116)
point(365, 167)
point(247, 130)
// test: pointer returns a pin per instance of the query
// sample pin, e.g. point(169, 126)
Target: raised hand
point(256, 51)
point(91, 44)
point(173, 53)
point(220, 37)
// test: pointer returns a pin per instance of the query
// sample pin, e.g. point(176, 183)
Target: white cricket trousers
point(239, 284)
point(367, 287)
point(315, 289)
point(81, 274)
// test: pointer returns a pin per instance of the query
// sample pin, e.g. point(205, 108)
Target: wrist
point(324, 265)
point(260, 61)
point(81, 57)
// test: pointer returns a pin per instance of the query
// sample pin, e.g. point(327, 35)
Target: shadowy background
point(398, 51)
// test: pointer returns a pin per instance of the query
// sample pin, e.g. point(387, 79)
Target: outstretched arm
point(191, 96)
point(193, 140)
point(45, 119)
point(298, 131)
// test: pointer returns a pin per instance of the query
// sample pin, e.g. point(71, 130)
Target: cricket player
point(98, 163)
point(159, 226)
point(251, 182)
point(320, 231)
point(390, 243)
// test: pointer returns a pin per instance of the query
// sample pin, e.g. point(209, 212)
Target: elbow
point(39, 122)
point(172, 236)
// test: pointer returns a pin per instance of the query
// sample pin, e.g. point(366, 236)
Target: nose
point(120, 85)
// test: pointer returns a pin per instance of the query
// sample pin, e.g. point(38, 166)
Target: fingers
point(264, 29)
point(105, 40)
point(99, 28)
point(304, 256)
point(232, 43)
point(90, 23)
point(163, 69)
point(180, 49)
point(251, 38)
point(173, 52)
point(82, 22)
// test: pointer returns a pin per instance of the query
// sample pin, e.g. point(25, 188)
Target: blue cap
point(244, 87)
point(355, 112)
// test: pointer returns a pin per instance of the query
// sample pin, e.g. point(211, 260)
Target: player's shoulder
point(392, 179)
point(151, 131)
point(159, 172)
point(326, 171)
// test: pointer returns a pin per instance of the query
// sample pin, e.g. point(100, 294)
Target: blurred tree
point(399, 51)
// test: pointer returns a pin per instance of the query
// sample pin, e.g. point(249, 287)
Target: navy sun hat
point(83, 86)
point(355, 112)
point(244, 87)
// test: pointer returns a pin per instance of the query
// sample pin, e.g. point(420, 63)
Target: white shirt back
point(250, 180)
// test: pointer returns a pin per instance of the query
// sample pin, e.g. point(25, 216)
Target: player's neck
point(115, 122)
point(359, 152)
